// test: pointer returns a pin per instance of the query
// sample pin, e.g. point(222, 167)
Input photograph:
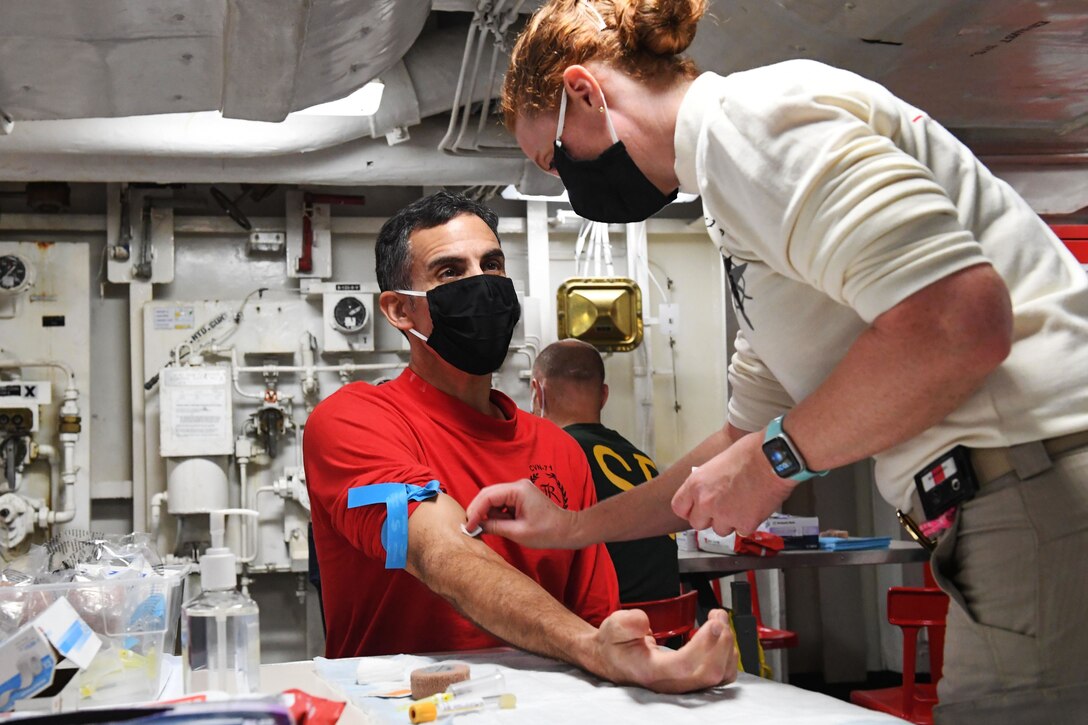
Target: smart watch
point(785, 459)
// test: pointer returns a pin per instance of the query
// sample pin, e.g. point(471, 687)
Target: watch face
point(784, 463)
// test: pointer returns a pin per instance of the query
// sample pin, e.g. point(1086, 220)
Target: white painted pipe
point(156, 512)
point(205, 133)
point(139, 294)
point(306, 351)
point(307, 370)
point(70, 407)
point(243, 497)
point(347, 368)
point(69, 375)
point(49, 454)
point(256, 525)
point(638, 268)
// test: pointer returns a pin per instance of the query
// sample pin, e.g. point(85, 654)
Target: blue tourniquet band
point(395, 496)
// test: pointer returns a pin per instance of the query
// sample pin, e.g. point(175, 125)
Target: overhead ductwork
point(416, 87)
point(248, 59)
point(1008, 77)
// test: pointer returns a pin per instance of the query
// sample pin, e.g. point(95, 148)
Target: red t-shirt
point(407, 431)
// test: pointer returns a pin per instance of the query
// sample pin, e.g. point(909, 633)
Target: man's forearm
point(645, 510)
point(485, 588)
point(497, 597)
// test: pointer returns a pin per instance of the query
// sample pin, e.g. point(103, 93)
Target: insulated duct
point(416, 87)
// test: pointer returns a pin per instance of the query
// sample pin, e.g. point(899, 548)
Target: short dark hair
point(570, 360)
point(392, 252)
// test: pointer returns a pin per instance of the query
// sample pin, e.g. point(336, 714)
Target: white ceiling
point(1008, 76)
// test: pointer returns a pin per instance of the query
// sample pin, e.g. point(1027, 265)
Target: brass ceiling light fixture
point(606, 312)
point(603, 310)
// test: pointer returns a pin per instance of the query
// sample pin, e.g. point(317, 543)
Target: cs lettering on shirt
point(605, 456)
point(543, 476)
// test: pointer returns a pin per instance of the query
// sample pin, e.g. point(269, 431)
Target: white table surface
point(550, 692)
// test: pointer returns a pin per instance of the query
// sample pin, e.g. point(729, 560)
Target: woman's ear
point(582, 88)
point(394, 307)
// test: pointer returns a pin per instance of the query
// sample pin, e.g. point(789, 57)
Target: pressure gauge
point(14, 274)
point(349, 314)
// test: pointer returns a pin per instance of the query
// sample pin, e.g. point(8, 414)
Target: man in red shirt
point(441, 426)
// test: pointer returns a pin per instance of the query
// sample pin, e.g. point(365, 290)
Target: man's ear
point(604, 394)
point(394, 307)
point(582, 88)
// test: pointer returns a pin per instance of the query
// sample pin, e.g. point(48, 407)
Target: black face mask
point(473, 320)
point(610, 188)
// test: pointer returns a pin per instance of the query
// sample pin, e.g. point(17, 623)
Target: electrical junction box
point(195, 417)
point(19, 401)
point(348, 319)
point(270, 327)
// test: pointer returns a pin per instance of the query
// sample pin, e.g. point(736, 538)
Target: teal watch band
point(783, 455)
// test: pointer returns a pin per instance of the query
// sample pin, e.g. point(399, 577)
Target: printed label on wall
point(196, 411)
point(173, 317)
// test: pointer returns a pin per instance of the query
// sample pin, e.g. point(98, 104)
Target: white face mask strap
point(563, 116)
point(601, 25)
point(413, 293)
point(608, 118)
point(540, 397)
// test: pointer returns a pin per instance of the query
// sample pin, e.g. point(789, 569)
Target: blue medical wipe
point(395, 496)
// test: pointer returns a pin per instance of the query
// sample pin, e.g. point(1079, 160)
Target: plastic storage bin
point(136, 618)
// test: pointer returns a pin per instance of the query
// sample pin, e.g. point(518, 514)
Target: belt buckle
point(915, 531)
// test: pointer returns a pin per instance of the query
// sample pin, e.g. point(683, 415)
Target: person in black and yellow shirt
point(568, 388)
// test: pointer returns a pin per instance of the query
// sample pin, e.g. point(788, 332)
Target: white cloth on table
point(550, 692)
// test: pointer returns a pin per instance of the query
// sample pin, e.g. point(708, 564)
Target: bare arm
point(915, 364)
point(520, 512)
point(468, 574)
point(645, 510)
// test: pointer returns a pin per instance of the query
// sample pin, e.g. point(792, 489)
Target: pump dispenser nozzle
point(217, 565)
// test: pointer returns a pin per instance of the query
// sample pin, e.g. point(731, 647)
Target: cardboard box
point(798, 532)
point(29, 658)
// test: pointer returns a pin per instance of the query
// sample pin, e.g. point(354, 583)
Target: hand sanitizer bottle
point(220, 639)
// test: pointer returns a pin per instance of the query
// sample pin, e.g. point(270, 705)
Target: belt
point(990, 465)
point(1027, 459)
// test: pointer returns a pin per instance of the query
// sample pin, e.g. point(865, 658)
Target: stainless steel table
point(716, 565)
